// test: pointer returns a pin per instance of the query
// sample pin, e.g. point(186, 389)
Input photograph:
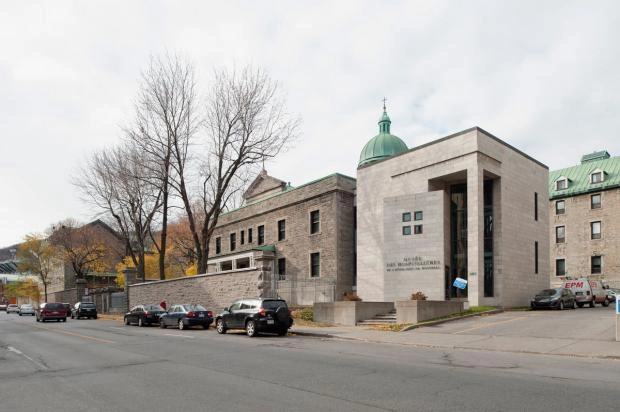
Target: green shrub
point(304, 314)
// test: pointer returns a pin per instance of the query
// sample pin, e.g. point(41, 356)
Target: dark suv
point(256, 315)
point(84, 310)
point(51, 311)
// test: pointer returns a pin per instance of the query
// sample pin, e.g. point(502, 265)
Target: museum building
point(468, 205)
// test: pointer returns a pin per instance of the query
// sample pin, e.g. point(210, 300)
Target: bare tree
point(245, 124)
point(35, 256)
point(116, 181)
point(165, 118)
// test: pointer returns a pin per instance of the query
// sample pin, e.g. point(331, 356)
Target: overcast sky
point(544, 76)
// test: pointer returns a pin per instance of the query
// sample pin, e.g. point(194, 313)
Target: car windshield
point(88, 305)
point(273, 304)
point(26, 306)
point(54, 306)
point(153, 307)
point(195, 308)
point(548, 292)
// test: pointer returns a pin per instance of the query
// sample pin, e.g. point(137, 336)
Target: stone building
point(468, 205)
point(305, 237)
point(583, 206)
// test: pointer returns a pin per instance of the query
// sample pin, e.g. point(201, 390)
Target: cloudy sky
point(543, 76)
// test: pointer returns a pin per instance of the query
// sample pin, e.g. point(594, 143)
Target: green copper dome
point(383, 145)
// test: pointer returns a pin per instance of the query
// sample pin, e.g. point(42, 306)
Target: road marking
point(179, 336)
point(20, 353)
point(78, 335)
point(488, 325)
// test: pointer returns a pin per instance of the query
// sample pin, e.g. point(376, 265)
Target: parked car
point(144, 315)
point(3, 307)
point(255, 316)
point(26, 309)
point(84, 310)
point(51, 311)
point(12, 308)
point(185, 316)
point(611, 295)
point(582, 290)
point(67, 308)
point(558, 298)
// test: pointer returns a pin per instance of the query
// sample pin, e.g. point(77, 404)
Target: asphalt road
point(99, 365)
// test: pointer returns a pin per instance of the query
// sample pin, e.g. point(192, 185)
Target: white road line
point(20, 353)
point(176, 335)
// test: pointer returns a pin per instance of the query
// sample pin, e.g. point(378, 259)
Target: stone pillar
point(130, 276)
point(263, 261)
point(475, 234)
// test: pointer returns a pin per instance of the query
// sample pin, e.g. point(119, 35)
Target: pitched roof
point(262, 185)
point(578, 177)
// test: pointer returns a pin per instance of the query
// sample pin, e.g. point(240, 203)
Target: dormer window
point(596, 176)
point(561, 183)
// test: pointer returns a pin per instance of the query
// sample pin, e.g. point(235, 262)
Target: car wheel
point(126, 320)
point(95, 317)
point(574, 304)
point(205, 326)
point(64, 319)
point(38, 320)
point(219, 326)
point(162, 325)
point(283, 331)
point(606, 302)
point(561, 305)
point(181, 325)
point(592, 302)
point(580, 304)
point(140, 322)
point(250, 328)
point(72, 316)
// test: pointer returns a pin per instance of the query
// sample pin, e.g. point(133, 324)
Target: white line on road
point(20, 353)
point(176, 335)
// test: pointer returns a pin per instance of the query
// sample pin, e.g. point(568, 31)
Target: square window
point(596, 177)
point(406, 230)
point(315, 221)
point(418, 215)
point(595, 201)
point(595, 230)
point(560, 267)
point(560, 207)
point(281, 229)
point(407, 217)
point(315, 265)
point(596, 263)
point(561, 184)
point(560, 234)
point(417, 229)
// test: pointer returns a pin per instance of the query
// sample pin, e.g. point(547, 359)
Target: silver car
point(12, 308)
point(26, 309)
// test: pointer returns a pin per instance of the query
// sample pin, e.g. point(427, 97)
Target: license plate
point(54, 313)
point(202, 315)
point(269, 321)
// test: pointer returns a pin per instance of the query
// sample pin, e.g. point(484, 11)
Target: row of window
point(315, 266)
point(597, 176)
point(417, 216)
point(595, 203)
point(315, 225)
point(595, 232)
point(596, 263)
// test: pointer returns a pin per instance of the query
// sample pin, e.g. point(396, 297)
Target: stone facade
point(578, 246)
point(333, 198)
point(519, 222)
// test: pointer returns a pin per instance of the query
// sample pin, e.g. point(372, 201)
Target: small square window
point(407, 217)
point(560, 267)
point(561, 184)
point(596, 263)
point(595, 201)
point(596, 177)
point(406, 230)
point(417, 229)
point(418, 215)
point(560, 207)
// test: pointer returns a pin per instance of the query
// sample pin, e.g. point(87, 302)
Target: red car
point(51, 311)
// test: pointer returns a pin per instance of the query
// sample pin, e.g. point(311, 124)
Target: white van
point(587, 292)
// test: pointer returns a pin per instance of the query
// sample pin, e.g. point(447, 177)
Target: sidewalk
point(522, 344)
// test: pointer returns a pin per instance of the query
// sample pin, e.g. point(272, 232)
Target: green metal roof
point(382, 145)
point(578, 176)
point(266, 248)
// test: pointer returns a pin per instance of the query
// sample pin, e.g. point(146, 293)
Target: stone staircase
point(381, 319)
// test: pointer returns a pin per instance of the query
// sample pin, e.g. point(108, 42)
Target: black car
point(558, 298)
point(84, 310)
point(51, 311)
point(256, 315)
point(185, 316)
point(144, 315)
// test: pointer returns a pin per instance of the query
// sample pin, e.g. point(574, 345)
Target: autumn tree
point(244, 123)
point(35, 256)
point(24, 288)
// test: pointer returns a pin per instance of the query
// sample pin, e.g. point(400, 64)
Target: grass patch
point(471, 311)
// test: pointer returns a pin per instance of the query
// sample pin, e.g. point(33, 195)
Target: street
point(101, 365)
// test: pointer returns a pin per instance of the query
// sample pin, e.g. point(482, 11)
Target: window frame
point(281, 268)
point(260, 237)
point(559, 239)
point(233, 241)
point(281, 230)
point(598, 235)
point(418, 229)
point(561, 182)
point(563, 210)
point(315, 267)
point(557, 261)
point(418, 215)
point(315, 224)
point(406, 217)
point(218, 245)
point(598, 173)
point(596, 205)
point(596, 270)
point(406, 230)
